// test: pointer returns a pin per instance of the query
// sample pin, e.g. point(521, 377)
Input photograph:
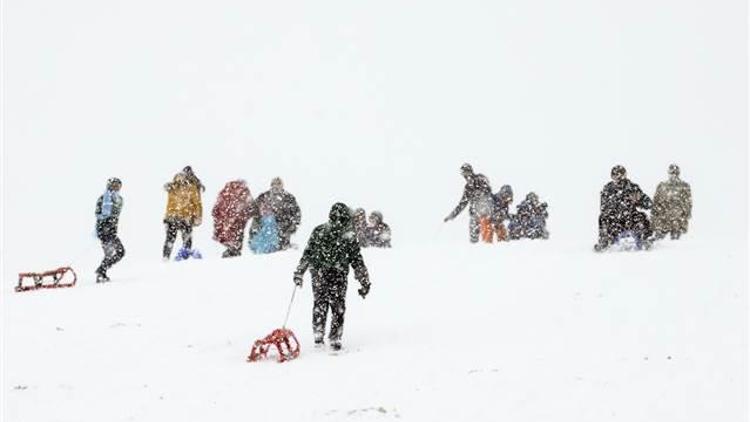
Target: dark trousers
point(329, 292)
point(234, 248)
point(112, 246)
point(186, 231)
point(611, 227)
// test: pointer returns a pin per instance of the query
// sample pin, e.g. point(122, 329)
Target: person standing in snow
point(502, 200)
point(530, 220)
point(378, 232)
point(673, 206)
point(184, 211)
point(620, 201)
point(478, 196)
point(359, 220)
point(331, 250)
point(108, 208)
point(284, 207)
point(231, 213)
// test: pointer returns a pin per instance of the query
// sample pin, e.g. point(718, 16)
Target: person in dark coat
point(331, 250)
point(232, 210)
point(620, 201)
point(108, 208)
point(530, 219)
point(478, 196)
point(284, 207)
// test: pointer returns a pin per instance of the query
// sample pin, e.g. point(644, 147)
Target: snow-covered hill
point(376, 105)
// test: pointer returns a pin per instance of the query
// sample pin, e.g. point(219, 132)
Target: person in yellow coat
point(184, 211)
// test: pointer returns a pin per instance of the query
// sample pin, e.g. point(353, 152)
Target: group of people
point(489, 212)
point(334, 247)
point(620, 216)
point(371, 231)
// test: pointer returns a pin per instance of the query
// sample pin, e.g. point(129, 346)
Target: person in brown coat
point(184, 211)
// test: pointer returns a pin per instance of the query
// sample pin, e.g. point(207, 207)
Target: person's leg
point(337, 302)
point(171, 228)
point(473, 229)
point(187, 235)
point(320, 306)
point(118, 252)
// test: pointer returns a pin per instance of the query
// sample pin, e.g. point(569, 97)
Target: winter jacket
point(334, 246)
point(379, 235)
point(673, 205)
point(283, 206)
point(620, 200)
point(183, 202)
point(232, 210)
point(266, 240)
point(108, 208)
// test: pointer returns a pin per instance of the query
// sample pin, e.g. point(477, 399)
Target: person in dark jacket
point(331, 250)
point(108, 208)
point(378, 232)
point(620, 201)
point(284, 207)
point(478, 196)
point(502, 200)
point(530, 219)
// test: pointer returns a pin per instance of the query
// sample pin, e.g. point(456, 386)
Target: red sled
point(53, 279)
point(286, 344)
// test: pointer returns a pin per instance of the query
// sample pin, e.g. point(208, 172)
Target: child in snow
point(231, 214)
point(673, 206)
point(266, 240)
point(620, 200)
point(378, 232)
point(530, 220)
point(332, 248)
point(184, 211)
point(108, 208)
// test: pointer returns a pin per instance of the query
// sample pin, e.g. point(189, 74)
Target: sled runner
point(286, 344)
point(60, 277)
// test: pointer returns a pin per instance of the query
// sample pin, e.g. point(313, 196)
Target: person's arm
point(689, 200)
point(98, 211)
point(460, 207)
point(643, 200)
point(306, 259)
point(117, 206)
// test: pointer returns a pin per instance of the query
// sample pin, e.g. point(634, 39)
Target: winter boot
point(101, 275)
point(335, 345)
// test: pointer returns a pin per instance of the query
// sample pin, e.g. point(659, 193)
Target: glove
point(364, 289)
point(197, 221)
point(447, 219)
point(298, 279)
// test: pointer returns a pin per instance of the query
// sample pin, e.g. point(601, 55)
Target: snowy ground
point(376, 105)
point(525, 332)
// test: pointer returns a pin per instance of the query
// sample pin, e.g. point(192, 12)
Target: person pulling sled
point(331, 250)
point(478, 196)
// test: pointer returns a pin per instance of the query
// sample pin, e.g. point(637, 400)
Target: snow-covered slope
point(376, 105)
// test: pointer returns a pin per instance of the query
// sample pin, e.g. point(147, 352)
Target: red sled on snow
point(286, 344)
point(61, 277)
